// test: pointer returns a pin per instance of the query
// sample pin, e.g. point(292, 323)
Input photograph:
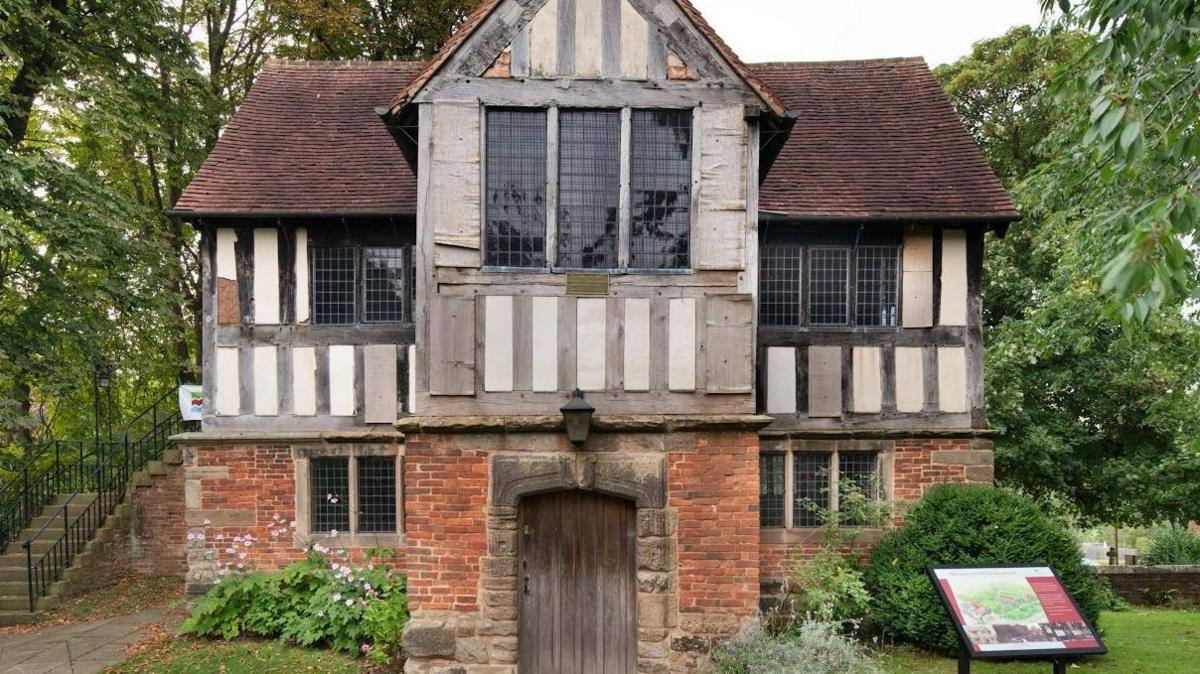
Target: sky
point(811, 30)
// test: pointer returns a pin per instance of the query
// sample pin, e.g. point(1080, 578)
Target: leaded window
point(877, 285)
point(329, 485)
point(355, 284)
point(803, 489)
point(589, 188)
point(779, 285)
point(660, 189)
point(828, 286)
point(376, 494)
point(515, 212)
point(353, 494)
point(772, 489)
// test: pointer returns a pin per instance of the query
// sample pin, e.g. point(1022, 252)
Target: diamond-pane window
point(329, 484)
point(660, 189)
point(334, 280)
point(877, 285)
point(828, 286)
point(772, 489)
point(376, 494)
point(515, 212)
point(589, 188)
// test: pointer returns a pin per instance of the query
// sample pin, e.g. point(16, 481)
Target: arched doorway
point(577, 584)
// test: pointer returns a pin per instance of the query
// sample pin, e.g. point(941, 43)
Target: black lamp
point(577, 415)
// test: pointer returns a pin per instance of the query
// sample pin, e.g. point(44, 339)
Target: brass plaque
point(587, 284)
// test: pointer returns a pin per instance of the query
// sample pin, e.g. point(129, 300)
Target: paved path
point(83, 648)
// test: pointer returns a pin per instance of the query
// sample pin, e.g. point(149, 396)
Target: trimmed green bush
point(1172, 545)
point(967, 525)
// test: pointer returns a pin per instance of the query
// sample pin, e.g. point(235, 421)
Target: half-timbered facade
point(764, 278)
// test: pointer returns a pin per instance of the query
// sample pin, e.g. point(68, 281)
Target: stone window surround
point(303, 534)
point(886, 467)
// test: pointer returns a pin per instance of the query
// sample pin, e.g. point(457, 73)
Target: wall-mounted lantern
point(577, 415)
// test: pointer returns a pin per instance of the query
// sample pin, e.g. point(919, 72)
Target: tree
point(1143, 88)
point(367, 29)
point(1094, 414)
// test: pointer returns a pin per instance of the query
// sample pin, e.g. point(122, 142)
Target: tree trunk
point(39, 63)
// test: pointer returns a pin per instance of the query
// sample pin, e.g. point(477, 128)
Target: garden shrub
point(1172, 545)
point(319, 601)
point(814, 648)
point(830, 588)
point(967, 525)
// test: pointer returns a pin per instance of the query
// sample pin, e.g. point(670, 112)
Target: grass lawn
point(183, 654)
point(1140, 641)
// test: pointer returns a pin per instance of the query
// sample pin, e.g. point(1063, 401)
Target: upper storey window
point(622, 180)
point(362, 284)
point(824, 285)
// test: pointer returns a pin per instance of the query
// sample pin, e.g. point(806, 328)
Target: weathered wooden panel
point(411, 404)
point(589, 38)
point(520, 53)
point(302, 280)
point(266, 276)
point(637, 344)
point(545, 343)
point(681, 350)
point(498, 343)
point(953, 306)
point(522, 343)
point(720, 220)
point(591, 346)
point(952, 379)
point(635, 43)
point(452, 353)
point(543, 41)
point(867, 386)
point(228, 394)
point(910, 379)
point(781, 380)
point(454, 210)
point(729, 344)
point(380, 389)
point(824, 381)
point(341, 380)
point(266, 381)
point(614, 343)
point(304, 381)
point(918, 277)
point(566, 37)
point(577, 552)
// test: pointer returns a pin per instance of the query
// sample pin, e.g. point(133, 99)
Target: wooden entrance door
point(577, 584)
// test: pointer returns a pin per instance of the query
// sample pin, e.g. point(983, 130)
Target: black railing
point(103, 469)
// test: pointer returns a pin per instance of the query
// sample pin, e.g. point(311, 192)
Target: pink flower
point(366, 648)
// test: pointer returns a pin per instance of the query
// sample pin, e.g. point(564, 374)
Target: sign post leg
point(1060, 667)
point(964, 662)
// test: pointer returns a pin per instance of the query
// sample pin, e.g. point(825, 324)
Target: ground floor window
point(799, 488)
point(348, 492)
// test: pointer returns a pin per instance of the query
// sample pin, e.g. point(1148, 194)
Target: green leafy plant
point(814, 648)
point(1173, 545)
point(967, 525)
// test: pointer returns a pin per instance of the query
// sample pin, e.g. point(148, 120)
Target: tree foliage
point(1097, 414)
point(107, 107)
point(1142, 120)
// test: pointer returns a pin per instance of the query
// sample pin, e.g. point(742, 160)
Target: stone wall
point(1154, 585)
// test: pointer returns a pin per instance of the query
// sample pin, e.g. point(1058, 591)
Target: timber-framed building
point(765, 278)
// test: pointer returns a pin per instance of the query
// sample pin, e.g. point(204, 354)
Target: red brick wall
point(445, 497)
point(714, 491)
point(914, 473)
point(158, 534)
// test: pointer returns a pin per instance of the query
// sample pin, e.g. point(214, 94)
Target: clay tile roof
point(876, 140)
point(307, 140)
point(476, 19)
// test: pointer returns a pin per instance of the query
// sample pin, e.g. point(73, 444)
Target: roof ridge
point(339, 63)
point(840, 62)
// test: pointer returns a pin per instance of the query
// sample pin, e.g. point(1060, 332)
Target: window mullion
point(789, 490)
point(552, 187)
point(834, 479)
point(626, 215)
point(352, 488)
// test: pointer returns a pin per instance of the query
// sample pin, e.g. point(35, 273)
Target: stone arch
point(638, 478)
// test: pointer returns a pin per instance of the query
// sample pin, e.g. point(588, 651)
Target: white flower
point(349, 602)
point(337, 596)
point(333, 533)
point(208, 523)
